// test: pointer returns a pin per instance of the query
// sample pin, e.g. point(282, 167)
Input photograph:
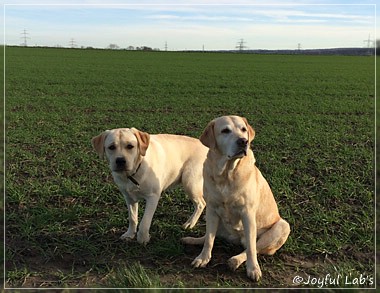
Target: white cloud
point(286, 14)
point(198, 17)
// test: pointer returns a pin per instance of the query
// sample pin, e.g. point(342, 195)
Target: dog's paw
point(235, 262)
point(255, 273)
point(200, 261)
point(187, 225)
point(143, 238)
point(190, 223)
point(128, 236)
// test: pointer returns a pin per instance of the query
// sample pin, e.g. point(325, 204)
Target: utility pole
point(72, 43)
point(25, 37)
point(299, 47)
point(369, 41)
point(369, 44)
point(240, 45)
point(166, 45)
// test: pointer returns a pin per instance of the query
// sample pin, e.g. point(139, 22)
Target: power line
point(72, 43)
point(240, 45)
point(370, 45)
point(25, 38)
point(369, 42)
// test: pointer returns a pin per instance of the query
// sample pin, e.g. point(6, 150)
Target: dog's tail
point(193, 240)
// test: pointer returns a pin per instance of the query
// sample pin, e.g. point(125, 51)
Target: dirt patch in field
point(72, 271)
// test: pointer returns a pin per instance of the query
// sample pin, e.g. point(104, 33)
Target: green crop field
point(314, 118)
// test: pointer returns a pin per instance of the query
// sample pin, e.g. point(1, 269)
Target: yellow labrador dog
point(240, 204)
point(144, 165)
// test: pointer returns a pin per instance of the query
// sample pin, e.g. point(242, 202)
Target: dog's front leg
point(143, 236)
point(212, 223)
point(250, 231)
point(133, 207)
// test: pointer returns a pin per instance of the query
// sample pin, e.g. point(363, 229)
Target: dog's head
point(229, 135)
point(123, 148)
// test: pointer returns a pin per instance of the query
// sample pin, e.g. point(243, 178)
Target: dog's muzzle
point(120, 164)
point(242, 147)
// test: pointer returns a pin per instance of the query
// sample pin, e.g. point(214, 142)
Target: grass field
point(315, 140)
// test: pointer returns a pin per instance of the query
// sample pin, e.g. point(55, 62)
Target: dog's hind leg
point(199, 204)
point(270, 241)
point(193, 240)
point(194, 189)
point(235, 261)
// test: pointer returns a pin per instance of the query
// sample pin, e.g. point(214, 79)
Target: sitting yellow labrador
point(144, 165)
point(240, 204)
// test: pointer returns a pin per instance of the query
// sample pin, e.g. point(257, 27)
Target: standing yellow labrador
point(145, 165)
point(240, 203)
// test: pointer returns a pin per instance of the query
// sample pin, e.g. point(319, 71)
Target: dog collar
point(134, 181)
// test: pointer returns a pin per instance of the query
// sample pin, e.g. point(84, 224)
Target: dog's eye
point(112, 147)
point(226, 130)
point(130, 146)
point(244, 129)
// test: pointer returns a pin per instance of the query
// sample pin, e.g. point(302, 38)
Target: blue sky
point(191, 24)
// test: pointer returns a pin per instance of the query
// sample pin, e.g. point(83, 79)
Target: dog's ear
point(208, 136)
point(251, 131)
point(98, 143)
point(143, 139)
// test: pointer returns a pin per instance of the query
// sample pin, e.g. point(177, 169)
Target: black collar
point(130, 177)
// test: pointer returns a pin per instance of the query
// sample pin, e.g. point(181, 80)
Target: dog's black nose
point(242, 142)
point(120, 162)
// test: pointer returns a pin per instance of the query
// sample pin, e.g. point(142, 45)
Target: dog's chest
point(227, 206)
point(128, 188)
point(230, 218)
